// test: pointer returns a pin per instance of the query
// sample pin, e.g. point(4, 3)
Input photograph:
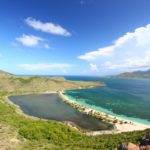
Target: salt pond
point(50, 106)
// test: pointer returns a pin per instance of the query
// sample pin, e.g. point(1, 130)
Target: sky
point(74, 37)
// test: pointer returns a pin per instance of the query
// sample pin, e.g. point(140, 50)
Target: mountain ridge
point(135, 74)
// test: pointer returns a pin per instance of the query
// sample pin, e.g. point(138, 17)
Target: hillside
point(21, 84)
point(135, 74)
point(19, 132)
point(5, 74)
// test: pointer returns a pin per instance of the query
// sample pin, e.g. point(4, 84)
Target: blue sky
point(74, 37)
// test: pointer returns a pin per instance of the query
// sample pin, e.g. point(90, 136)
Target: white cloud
point(46, 67)
point(46, 46)
point(47, 27)
point(131, 51)
point(106, 51)
point(93, 67)
point(29, 40)
point(32, 41)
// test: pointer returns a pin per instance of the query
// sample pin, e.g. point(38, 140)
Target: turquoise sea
point(125, 98)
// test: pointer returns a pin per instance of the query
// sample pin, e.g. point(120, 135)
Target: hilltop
point(25, 84)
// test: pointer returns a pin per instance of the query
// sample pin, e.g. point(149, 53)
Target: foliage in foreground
point(55, 135)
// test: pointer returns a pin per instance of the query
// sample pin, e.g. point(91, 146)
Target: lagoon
point(50, 106)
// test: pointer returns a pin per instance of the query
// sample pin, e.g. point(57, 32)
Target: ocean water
point(125, 98)
point(50, 106)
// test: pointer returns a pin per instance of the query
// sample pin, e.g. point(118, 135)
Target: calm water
point(50, 106)
point(127, 98)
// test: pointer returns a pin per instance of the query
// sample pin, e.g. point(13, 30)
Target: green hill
point(24, 84)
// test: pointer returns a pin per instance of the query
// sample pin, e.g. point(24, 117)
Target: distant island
point(135, 74)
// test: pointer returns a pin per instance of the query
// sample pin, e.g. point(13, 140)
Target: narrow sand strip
point(120, 125)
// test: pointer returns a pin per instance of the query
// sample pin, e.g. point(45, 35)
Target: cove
point(50, 106)
point(128, 99)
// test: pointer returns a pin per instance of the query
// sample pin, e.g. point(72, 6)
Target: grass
point(41, 134)
point(19, 84)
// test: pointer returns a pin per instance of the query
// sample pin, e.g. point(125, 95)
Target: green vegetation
point(29, 133)
point(56, 135)
point(18, 84)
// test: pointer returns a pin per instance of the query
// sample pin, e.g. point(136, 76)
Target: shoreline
point(120, 125)
point(68, 123)
point(18, 110)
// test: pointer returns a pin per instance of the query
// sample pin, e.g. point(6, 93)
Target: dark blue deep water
point(127, 98)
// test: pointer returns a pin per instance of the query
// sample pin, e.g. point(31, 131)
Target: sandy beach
point(120, 125)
